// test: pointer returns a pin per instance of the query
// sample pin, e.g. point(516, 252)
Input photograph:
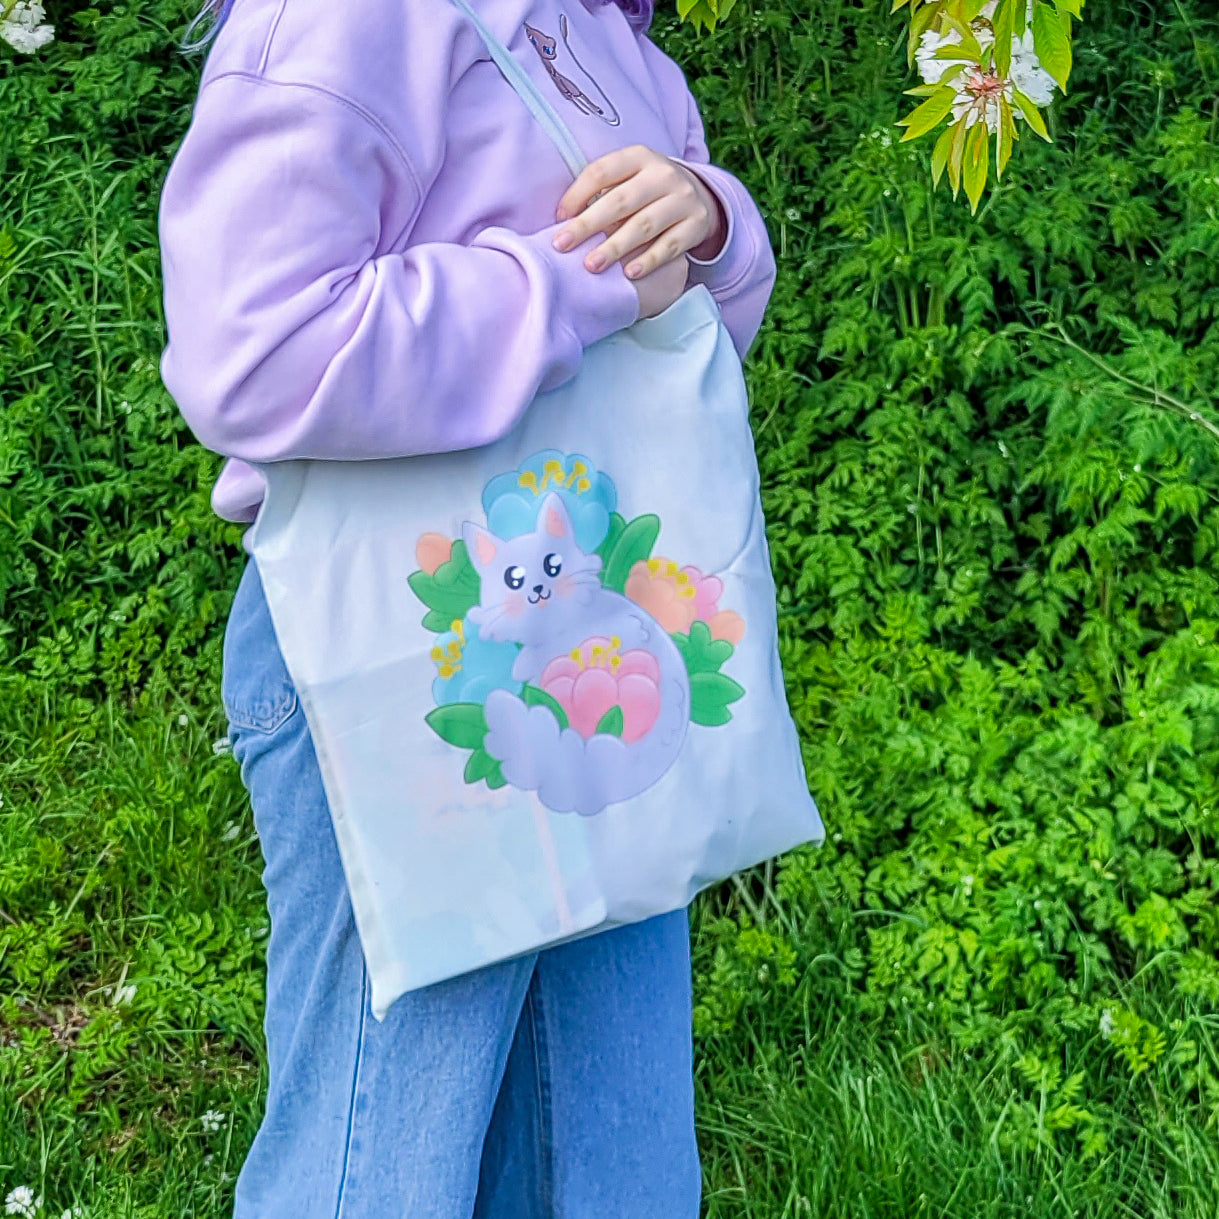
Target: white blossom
point(978, 92)
point(23, 29)
point(21, 1201)
point(231, 830)
point(222, 747)
point(1028, 75)
point(212, 1120)
point(184, 719)
point(1106, 1023)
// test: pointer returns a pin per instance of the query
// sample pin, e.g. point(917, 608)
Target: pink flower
point(594, 679)
point(679, 599)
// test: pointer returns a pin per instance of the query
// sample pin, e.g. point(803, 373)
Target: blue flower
point(469, 668)
point(511, 501)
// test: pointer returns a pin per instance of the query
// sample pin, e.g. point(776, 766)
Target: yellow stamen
point(529, 481)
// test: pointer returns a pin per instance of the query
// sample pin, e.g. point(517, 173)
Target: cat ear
point(553, 517)
point(481, 546)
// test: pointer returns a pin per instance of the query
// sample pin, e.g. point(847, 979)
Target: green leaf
point(1004, 137)
point(956, 154)
point(701, 653)
point(460, 724)
point(920, 22)
point(531, 696)
point(481, 765)
point(939, 157)
point(1031, 114)
point(450, 592)
point(930, 114)
point(610, 723)
point(977, 161)
point(710, 695)
point(617, 523)
point(1001, 23)
point(633, 546)
point(438, 621)
point(1052, 42)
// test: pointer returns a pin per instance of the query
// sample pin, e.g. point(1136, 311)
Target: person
point(372, 249)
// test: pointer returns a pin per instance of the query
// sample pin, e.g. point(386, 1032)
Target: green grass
point(994, 992)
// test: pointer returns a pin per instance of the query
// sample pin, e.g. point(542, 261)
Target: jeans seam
point(355, 1085)
point(541, 1060)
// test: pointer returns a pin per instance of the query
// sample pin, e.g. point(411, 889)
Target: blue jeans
point(557, 1085)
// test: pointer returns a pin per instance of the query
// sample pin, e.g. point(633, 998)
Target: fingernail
point(596, 262)
point(563, 242)
point(561, 215)
point(635, 270)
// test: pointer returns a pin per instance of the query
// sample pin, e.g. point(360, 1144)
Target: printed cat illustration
point(547, 48)
point(594, 651)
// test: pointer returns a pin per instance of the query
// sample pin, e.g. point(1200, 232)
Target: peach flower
point(679, 598)
point(431, 551)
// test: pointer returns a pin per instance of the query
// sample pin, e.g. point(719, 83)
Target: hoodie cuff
point(592, 306)
point(736, 256)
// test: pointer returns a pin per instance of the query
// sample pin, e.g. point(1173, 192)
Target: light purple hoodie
point(356, 230)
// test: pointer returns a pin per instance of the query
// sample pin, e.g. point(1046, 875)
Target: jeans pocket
point(255, 689)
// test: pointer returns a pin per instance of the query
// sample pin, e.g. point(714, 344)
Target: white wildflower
point(222, 747)
point(930, 68)
point(1028, 75)
point(978, 92)
point(977, 97)
point(212, 1120)
point(793, 213)
point(23, 29)
point(231, 830)
point(1106, 1023)
point(21, 1201)
point(124, 994)
point(184, 719)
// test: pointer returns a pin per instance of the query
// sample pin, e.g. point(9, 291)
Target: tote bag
point(541, 677)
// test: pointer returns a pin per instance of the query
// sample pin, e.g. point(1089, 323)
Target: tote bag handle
point(529, 93)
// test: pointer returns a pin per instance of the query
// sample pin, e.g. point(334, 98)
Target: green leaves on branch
point(984, 64)
point(704, 14)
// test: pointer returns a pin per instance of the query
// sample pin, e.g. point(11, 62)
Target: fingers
point(609, 212)
point(598, 177)
point(639, 230)
point(649, 209)
point(671, 245)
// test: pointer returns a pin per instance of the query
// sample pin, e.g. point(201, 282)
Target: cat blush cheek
point(514, 605)
point(565, 586)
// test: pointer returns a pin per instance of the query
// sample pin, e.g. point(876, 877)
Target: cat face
point(543, 44)
point(535, 586)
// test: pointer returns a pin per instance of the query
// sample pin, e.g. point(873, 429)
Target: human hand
point(652, 211)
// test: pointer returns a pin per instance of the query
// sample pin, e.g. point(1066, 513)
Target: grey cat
point(543, 592)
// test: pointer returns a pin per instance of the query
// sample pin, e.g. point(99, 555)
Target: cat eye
point(514, 577)
point(552, 565)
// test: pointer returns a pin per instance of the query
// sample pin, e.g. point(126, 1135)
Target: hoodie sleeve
point(290, 336)
point(742, 275)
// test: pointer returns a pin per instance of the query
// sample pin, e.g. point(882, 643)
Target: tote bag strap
point(529, 93)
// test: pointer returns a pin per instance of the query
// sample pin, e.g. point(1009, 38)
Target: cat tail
point(569, 773)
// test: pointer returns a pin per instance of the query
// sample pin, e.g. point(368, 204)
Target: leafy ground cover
point(989, 457)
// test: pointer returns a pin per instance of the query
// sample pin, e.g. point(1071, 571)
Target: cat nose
point(537, 588)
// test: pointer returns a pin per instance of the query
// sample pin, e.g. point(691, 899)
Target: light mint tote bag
point(541, 677)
